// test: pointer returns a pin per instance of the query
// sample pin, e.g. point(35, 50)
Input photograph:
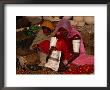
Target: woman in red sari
point(82, 60)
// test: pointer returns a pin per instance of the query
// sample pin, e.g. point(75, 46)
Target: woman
point(66, 45)
point(45, 34)
point(42, 38)
point(82, 58)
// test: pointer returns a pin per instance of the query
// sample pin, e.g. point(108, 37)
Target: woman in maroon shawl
point(83, 58)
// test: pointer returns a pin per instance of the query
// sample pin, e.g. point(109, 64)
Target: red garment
point(65, 46)
point(44, 46)
point(61, 45)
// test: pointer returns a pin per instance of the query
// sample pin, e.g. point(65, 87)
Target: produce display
point(28, 60)
point(85, 69)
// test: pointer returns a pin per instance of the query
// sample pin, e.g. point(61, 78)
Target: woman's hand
point(65, 62)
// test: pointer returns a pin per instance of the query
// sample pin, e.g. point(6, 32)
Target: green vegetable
point(32, 30)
